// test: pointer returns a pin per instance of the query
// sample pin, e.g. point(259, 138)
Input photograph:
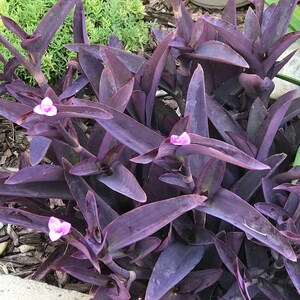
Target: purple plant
point(161, 205)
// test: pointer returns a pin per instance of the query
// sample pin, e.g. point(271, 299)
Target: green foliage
point(123, 18)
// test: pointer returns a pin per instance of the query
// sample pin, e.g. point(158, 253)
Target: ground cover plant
point(122, 18)
point(200, 204)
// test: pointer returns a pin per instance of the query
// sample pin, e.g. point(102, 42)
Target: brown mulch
point(22, 250)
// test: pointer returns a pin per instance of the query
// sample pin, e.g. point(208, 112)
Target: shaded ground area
point(22, 250)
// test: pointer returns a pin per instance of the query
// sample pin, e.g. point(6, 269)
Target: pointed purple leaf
point(43, 34)
point(37, 173)
point(218, 52)
point(253, 222)
point(24, 219)
point(184, 21)
point(152, 74)
point(143, 221)
point(107, 85)
point(222, 119)
point(36, 190)
point(243, 144)
point(268, 289)
point(125, 129)
point(145, 247)
point(273, 211)
point(196, 104)
point(275, 116)
point(210, 177)
point(247, 185)
point(278, 49)
point(199, 280)
point(252, 27)
point(92, 68)
point(79, 26)
point(123, 181)
point(79, 189)
point(12, 26)
point(293, 269)
point(279, 21)
point(229, 12)
point(174, 263)
point(39, 146)
point(220, 150)
point(75, 87)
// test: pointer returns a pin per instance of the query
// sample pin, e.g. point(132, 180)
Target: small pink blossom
point(57, 228)
point(46, 108)
point(183, 139)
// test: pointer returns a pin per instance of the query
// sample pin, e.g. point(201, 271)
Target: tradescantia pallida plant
point(160, 205)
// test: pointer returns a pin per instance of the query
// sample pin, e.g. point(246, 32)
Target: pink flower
point(57, 228)
point(183, 139)
point(46, 108)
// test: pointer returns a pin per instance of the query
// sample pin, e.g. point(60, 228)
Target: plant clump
point(123, 18)
point(200, 204)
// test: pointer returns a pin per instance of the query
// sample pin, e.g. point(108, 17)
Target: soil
point(22, 250)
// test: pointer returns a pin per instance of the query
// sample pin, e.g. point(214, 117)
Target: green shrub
point(123, 18)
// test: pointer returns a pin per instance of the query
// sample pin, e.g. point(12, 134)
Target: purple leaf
point(79, 26)
point(79, 189)
point(143, 221)
point(77, 240)
point(88, 166)
point(222, 119)
point(107, 85)
point(243, 144)
point(115, 42)
point(237, 40)
point(231, 208)
point(229, 258)
point(218, 52)
point(229, 12)
point(174, 263)
point(126, 130)
point(279, 21)
point(145, 247)
point(278, 48)
point(92, 68)
point(12, 26)
point(199, 280)
point(178, 180)
point(43, 34)
point(37, 173)
point(210, 177)
point(257, 115)
point(13, 110)
point(252, 28)
point(273, 211)
point(268, 289)
point(132, 61)
point(152, 74)
point(36, 190)
point(24, 219)
point(75, 87)
point(66, 111)
point(196, 104)
point(248, 184)
point(293, 269)
point(184, 21)
point(119, 70)
point(275, 116)
point(39, 146)
point(92, 217)
point(220, 150)
point(123, 181)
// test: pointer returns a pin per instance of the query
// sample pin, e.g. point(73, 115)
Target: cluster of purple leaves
point(217, 217)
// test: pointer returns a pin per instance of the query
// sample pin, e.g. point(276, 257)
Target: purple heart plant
point(197, 203)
